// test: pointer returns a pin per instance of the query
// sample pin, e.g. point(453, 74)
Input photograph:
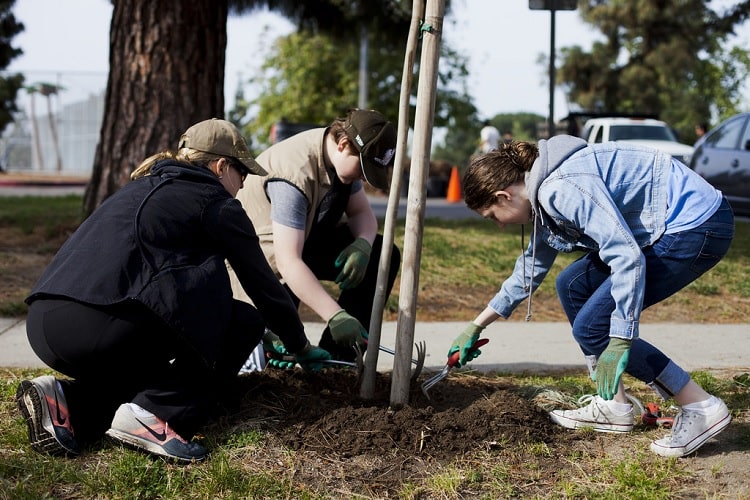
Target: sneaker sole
point(35, 411)
point(570, 423)
point(695, 443)
point(145, 444)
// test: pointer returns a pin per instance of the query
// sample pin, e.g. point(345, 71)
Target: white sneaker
point(597, 415)
point(692, 429)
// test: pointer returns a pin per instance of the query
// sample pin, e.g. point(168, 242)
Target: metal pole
point(551, 117)
point(363, 63)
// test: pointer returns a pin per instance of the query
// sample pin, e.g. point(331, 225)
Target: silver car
point(722, 157)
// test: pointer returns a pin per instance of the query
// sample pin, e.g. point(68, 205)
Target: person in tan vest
point(315, 222)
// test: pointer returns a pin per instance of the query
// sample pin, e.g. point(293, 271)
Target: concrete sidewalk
point(515, 346)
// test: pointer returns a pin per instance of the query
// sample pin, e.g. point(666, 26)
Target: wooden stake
point(367, 389)
point(415, 209)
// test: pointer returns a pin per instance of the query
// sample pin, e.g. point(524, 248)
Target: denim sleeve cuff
point(500, 306)
point(623, 329)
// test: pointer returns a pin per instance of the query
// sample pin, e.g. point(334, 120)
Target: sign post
point(552, 6)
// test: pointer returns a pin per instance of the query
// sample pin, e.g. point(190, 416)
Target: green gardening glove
point(610, 367)
point(345, 329)
point(275, 351)
point(465, 342)
point(310, 358)
point(354, 260)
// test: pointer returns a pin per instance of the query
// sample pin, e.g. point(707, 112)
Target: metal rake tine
point(430, 382)
point(434, 380)
point(427, 385)
point(421, 353)
point(393, 353)
point(360, 360)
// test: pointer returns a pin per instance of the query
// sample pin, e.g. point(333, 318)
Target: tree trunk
point(166, 72)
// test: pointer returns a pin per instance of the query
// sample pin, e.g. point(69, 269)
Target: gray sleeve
point(288, 204)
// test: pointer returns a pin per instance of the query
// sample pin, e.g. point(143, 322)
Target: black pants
point(123, 353)
point(320, 253)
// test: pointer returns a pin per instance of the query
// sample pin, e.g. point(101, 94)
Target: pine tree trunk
point(166, 73)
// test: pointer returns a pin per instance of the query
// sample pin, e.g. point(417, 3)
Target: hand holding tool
point(292, 360)
point(464, 344)
point(345, 329)
point(452, 361)
point(275, 351)
point(311, 358)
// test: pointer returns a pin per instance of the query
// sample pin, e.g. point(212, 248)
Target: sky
point(67, 42)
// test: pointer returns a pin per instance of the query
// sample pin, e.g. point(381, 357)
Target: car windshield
point(646, 132)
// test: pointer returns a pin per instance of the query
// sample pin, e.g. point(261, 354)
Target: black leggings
point(123, 353)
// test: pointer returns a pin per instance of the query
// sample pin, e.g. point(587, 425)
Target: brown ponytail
point(495, 171)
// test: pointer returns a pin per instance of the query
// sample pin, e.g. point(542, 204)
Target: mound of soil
point(323, 413)
point(346, 447)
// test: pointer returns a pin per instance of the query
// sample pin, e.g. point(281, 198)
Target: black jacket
point(162, 240)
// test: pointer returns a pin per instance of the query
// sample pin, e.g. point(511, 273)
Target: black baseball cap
point(375, 139)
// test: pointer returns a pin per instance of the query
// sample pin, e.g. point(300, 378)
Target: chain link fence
point(57, 127)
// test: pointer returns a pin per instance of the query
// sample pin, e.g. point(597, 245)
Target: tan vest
point(297, 160)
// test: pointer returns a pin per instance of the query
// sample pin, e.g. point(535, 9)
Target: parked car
point(283, 129)
point(644, 131)
point(722, 157)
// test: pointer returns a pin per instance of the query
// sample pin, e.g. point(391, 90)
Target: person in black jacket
point(137, 309)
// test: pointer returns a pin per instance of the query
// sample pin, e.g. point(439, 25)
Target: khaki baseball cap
point(221, 138)
point(375, 139)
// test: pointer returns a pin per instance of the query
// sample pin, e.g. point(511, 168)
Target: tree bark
point(166, 72)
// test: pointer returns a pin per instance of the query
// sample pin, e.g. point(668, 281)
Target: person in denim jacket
point(647, 226)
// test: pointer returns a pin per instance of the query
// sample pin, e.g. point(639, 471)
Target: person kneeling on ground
point(648, 227)
point(137, 309)
point(315, 222)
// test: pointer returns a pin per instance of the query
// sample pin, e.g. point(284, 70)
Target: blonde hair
point(495, 171)
point(185, 155)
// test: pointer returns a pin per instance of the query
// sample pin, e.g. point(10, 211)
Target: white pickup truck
point(647, 132)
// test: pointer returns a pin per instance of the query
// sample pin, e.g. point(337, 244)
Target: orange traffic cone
point(454, 187)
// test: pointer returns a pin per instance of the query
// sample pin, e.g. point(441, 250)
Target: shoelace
point(587, 398)
point(585, 403)
point(677, 427)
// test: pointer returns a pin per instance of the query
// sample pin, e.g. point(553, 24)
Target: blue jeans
point(673, 262)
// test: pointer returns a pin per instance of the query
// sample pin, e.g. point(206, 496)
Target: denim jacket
point(609, 198)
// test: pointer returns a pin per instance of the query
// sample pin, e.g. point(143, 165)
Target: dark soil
point(347, 447)
point(323, 413)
